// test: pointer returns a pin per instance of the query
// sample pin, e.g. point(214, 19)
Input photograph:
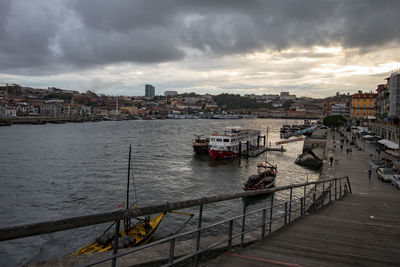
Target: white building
point(170, 93)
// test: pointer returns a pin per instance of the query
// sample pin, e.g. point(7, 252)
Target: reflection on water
point(52, 171)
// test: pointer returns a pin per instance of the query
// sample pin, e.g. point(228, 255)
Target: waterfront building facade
point(363, 105)
point(382, 103)
point(394, 95)
point(150, 90)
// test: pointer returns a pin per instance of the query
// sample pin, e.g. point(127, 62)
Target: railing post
point(301, 206)
point(243, 221)
point(230, 232)
point(264, 216)
point(330, 191)
point(115, 248)
point(340, 188)
point(171, 251)
point(196, 258)
point(335, 189)
point(290, 203)
point(323, 194)
point(348, 182)
point(270, 214)
point(285, 220)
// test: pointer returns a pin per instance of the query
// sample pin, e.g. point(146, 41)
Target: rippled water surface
point(52, 171)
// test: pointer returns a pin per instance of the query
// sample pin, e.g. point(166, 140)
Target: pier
point(361, 229)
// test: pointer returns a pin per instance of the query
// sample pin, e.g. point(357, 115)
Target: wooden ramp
point(358, 230)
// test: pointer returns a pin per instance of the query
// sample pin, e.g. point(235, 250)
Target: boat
point(265, 177)
point(200, 145)
point(133, 234)
point(232, 142)
point(138, 234)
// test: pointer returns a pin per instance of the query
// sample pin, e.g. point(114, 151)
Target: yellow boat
point(139, 234)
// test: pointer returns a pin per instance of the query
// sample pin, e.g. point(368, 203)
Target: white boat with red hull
point(232, 143)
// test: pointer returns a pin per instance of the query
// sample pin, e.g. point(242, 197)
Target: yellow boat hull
point(139, 233)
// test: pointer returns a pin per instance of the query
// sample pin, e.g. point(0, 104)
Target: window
point(219, 140)
point(212, 139)
point(226, 140)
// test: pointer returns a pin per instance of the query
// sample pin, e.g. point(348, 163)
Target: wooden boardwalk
point(363, 229)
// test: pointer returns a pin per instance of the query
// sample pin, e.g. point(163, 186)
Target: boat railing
point(281, 206)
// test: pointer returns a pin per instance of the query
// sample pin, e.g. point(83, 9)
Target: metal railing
point(319, 193)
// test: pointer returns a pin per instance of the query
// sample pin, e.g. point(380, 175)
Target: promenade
point(362, 229)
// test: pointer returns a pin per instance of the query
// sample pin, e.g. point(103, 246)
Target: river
point(56, 171)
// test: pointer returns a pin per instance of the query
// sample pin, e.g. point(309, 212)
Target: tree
point(334, 121)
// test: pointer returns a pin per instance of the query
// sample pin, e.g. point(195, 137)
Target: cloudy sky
point(307, 47)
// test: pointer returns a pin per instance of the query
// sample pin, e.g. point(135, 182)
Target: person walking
point(331, 160)
point(369, 174)
point(341, 147)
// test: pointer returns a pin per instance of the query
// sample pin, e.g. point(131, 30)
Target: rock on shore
point(313, 150)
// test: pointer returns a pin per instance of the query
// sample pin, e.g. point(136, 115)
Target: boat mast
point(129, 172)
point(266, 151)
point(127, 221)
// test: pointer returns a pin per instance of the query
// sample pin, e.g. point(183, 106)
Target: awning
point(389, 144)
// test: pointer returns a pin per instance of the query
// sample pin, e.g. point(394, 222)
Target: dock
point(278, 149)
point(362, 229)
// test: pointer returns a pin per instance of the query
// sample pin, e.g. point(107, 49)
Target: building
point(170, 93)
point(394, 95)
point(287, 96)
point(150, 90)
point(363, 105)
point(339, 106)
point(382, 102)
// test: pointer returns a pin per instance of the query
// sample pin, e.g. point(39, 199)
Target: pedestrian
point(341, 148)
point(350, 150)
point(347, 141)
point(331, 160)
point(369, 174)
point(347, 151)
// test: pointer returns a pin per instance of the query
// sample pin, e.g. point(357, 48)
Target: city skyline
point(308, 48)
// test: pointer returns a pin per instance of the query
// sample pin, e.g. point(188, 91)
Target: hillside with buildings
point(18, 102)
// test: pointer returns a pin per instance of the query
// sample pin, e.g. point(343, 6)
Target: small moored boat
point(138, 234)
point(265, 177)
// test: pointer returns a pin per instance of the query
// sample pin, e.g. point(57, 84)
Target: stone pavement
point(361, 229)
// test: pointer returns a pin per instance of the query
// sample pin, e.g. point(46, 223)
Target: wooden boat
point(132, 235)
point(139, 234)
point(265, 177)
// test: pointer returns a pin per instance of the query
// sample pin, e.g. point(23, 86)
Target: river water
point(55, 171)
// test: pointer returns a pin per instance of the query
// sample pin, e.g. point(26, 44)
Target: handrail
point(27, 230)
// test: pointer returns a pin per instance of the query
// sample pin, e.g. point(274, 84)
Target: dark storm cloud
point(45, 36)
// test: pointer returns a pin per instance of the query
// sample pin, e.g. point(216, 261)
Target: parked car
point(385, 174)
point(375, 164)
point(396, 180)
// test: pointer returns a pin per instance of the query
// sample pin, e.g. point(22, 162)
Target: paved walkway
point(362, 229)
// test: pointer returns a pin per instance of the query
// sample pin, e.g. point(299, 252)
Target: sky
point(307, 47)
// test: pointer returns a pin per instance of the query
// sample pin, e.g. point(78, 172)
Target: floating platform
point(254, 152)
point(279, 149)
